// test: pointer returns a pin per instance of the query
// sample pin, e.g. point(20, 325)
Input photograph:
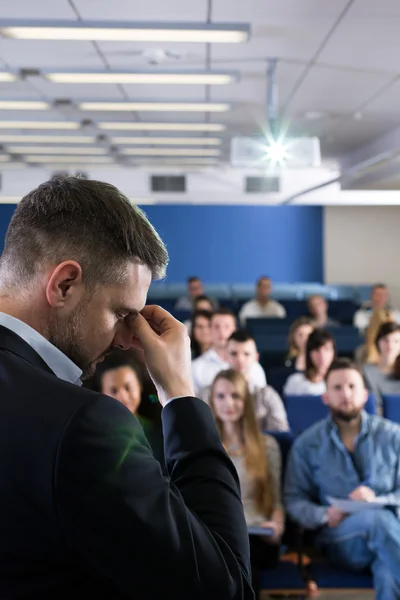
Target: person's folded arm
point(299, 491)
point(124, 519)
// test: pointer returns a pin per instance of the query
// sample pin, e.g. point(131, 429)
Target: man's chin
point(346, 416)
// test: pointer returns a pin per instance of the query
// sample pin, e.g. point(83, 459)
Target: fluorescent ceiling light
point(55, 150)
point(23, 105)
point(155, 106)
point(151, 161)
point(39, 125)
point(4, 76)
point(52, 139)
point(149, 77)
point(138, 126)
point(79, 160)
point(166, 141)
point(171, 151)
point(126, 32)
point(4, 158)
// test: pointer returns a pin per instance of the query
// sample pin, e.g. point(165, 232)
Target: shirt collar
point(365, 420)
point(58, 362)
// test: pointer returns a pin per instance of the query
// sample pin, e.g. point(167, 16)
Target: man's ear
point(65, 285)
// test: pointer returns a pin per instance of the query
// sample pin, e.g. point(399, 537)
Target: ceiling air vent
point(168, 183)
point(262, 185)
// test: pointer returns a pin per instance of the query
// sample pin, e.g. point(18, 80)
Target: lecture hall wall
point(234, 243)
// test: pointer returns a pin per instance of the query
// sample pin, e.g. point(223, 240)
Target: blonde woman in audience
point(381, 377)
point(368, 353)
point(201, 332)
point(298, 336)
point(320, 352)
point(258, 463)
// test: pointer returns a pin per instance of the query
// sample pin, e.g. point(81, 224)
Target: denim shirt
point(319, 466)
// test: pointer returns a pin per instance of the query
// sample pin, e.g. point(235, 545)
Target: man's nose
point(123, 338)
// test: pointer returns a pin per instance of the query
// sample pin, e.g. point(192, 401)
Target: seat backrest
point(285, 440)
point(277, 377)
point(391, 407)
point(304, 411)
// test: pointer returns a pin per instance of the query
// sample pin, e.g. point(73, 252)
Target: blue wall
point(239, 243)
point(234, 243)
point(6, 212)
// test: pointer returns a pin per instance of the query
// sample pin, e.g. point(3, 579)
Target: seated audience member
point(243, 358)
point(318, 309)
point(368, 352)
point(379, 301)
point(201, 332)
point(120, 377)
point(320, 352)
point(195, 288)
point(200, 303)
point(379, 377)
point(214, 360)
point(298, 336)
point(349, 455)
point(262, 305)
point(258, 463)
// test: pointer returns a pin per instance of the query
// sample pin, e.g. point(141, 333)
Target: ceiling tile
point(26, 9)
point(150, 10)
point(44, 53)
point(367, 43)
point(335, 90)
point(372, 8)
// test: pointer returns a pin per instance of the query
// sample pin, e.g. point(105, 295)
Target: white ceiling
point(338, 58)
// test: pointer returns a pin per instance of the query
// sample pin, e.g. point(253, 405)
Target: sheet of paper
point(352, 506)
point(260, 531)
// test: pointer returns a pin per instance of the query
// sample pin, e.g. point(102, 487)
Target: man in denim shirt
point(356, 456)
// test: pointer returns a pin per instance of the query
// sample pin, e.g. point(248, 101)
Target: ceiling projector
point(265, 152)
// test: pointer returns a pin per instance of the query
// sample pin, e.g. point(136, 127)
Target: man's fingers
point(142, 332)
point(161, 320)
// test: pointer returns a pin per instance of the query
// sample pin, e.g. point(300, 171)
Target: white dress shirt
point(298, 385)
point(363, 316)
point(207, 366)
point(254, 310)
point(56, 360)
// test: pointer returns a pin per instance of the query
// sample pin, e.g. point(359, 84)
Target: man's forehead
point(343, 375)
point(247, 345)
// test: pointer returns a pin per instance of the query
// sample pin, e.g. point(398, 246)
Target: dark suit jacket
point(84, 508)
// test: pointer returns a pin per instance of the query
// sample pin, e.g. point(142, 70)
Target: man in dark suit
point(84, 507)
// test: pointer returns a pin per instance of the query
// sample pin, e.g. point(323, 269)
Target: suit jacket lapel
point(11, 342)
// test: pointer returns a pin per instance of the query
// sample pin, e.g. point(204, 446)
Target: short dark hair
point(192, 279)
point(91, 222)
point(378, 286)
point(202, 298)
point(263, 278)
point(241, 336)
point(343, 364)
point(117, 360)
point(384, 330)
point(223, 310)
point(316, 339)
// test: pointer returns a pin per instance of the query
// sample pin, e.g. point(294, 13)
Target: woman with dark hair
point(381, 378)
point(120, 377)
point(320, 352)
point(201, 332)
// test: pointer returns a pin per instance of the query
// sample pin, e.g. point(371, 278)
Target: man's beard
point(69, 337)
point(347, 417)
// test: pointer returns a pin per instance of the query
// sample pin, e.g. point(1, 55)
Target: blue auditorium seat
point(304, 411)
point(328, 576)
point(277, 376)
point(268, 325)
point(347, 339)
point(391, 407)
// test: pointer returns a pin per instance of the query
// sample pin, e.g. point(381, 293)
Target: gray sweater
point(379, 383)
